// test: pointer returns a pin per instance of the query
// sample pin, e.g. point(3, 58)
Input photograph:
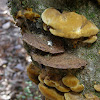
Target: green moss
point(17, 5)
point(92, 56)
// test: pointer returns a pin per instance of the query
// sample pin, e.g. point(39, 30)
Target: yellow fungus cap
point(68, 24)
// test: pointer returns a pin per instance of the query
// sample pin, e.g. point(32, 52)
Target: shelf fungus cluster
point(51, 67)
point(24, 16)
point(55, 84)
point(54, 68)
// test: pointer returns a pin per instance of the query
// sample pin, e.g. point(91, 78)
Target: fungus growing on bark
point(77, 88)
point(52, 79)
point(69, 25)
point(97, 87)
point(72, 82)
point(57, 84)
point(61, 61)
point(49, 47)
point(91, 39)
point(73, 96)
point(50, 93)
point(33, 73)
point(40, 42)
point(41, 77)
point(28, 14)
point(91, 96)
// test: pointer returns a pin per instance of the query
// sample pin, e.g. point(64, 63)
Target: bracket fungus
point(40, 42)
point(57, 84)
point(78, 88)
point(61, 61)
point(97, 87)
point(28, 14)
point(73, 96)
point(69, 25)
point(52, 80)
point(56, 65)
point(91, 96)
point(33, 73)
point(72, 82)
point(50, 93)
point(41, 77)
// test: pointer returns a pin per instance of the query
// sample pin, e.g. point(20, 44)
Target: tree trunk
point(90, 75)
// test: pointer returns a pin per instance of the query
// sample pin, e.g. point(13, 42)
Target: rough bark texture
point(91, 73)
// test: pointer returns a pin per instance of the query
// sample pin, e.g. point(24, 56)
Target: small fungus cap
point(50, 93)
point(91, 96)
point(73, 96)
point(57, 84)
point(78, 88)
point(70, 81)
point(52, 80)
point(68, 24)
point(28, 14)
point(33, 73)
point(97, 87)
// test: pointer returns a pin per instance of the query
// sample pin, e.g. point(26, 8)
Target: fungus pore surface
point(40, 42)
point(61, 61)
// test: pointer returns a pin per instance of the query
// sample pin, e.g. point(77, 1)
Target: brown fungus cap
point(50, 93)
point(70, 81)
point(61, 61)
point(41, 77)
point(33, 73)
point(68, 24)
point(45, 43)
point(73, 96)
point(33, 78)
point(97, 87)
point(52, 80)
point(90, 40)
point(56, 83)
point(28, 14)
point(91, 96)
point(78, 88)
